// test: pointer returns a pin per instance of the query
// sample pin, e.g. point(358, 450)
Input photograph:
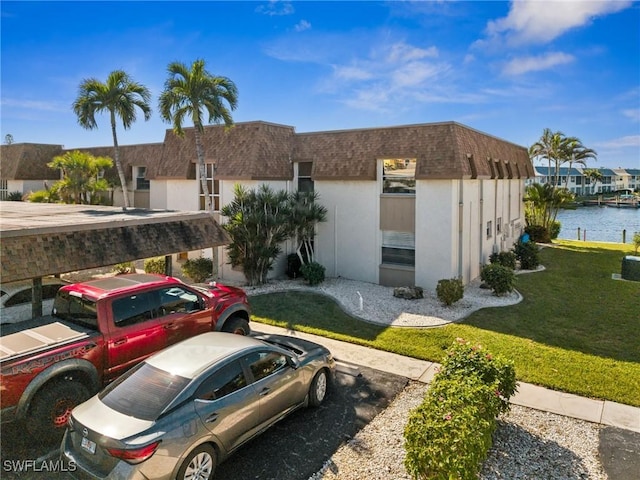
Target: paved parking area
point(293, 449)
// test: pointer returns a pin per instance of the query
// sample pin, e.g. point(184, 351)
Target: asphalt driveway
point(293, 449)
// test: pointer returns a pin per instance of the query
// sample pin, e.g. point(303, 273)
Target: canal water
point(602, 224)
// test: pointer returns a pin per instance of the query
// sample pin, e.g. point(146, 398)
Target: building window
point(213, 186)
point(399, 248)
point(141, 182)
point(399, 176)
point(305, 183)
point(4, 189)
point(498, 226)
point(489, 229)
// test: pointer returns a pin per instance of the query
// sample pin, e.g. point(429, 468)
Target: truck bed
point(18, 339)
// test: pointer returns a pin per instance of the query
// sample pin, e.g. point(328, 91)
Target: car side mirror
point(293, 362)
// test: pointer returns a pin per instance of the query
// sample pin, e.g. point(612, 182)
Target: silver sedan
point(184, 410)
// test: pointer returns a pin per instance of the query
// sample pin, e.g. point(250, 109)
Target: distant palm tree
point(548, 147)
point(594, 175)
point(575, 152)
point(194, 92)
point(119, 96)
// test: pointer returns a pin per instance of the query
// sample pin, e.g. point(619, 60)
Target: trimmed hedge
point(198, 269)
point(449, 435)
point(154, 265)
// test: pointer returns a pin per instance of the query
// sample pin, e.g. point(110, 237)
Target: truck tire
point(51, 408)
point(237, 325)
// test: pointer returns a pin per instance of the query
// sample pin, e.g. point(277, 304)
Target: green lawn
point(576, 330)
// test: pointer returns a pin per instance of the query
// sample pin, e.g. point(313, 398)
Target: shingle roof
point(28, 161)
point(265, 151)
point(442, 151)
point(141, 155)
point(247, 151)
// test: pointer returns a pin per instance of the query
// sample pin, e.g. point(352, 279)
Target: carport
point(40, 239)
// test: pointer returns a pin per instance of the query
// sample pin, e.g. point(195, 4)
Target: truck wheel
point(236, 325)
point(51, 408)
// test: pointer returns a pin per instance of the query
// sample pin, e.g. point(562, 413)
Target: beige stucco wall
point(348, 243)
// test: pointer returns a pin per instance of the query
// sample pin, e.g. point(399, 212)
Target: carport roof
point(48, 239)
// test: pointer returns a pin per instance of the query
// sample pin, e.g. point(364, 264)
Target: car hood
point(98, 417)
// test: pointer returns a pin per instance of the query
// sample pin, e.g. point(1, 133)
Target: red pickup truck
point(97, 330)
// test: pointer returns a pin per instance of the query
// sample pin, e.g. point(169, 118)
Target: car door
point(228, 405)
point(135, 332)
point(182, 312)
point(278, 384)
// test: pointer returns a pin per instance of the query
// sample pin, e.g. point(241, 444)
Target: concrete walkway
point(596, 411)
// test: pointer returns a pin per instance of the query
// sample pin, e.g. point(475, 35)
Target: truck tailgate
point(38, 338)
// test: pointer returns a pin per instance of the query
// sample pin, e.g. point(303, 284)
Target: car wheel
point(236, 325)
point(199, 465)
point(51, 408)
point(318, 389)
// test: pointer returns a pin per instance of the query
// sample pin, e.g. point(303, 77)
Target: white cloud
point(632, 113)
point(276, 8)
point(37, 105)
point(302, 25)
point(521, 65)
point(401, 52)
point(352, 73)
point(536, 21)
point(629, 141)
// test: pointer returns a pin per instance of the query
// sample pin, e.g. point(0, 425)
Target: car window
point(49, 291)
point(177, 300)
point(23, 296)
point(224, 381)
point(134, 309)
point(263, 364)
point(143, 392)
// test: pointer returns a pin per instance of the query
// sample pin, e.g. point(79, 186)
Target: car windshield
point(143, 392)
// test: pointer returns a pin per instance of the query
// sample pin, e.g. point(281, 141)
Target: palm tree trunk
point(116, 154)
point(203, 170)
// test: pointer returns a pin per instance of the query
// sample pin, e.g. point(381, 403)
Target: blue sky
point(509, 69)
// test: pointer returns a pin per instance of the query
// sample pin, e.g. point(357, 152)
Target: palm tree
point(194, 92)
point(548, 147)
point(575, 152)
point(80, 181)
point(306, 213)
point(595, 175)
point(119, 96)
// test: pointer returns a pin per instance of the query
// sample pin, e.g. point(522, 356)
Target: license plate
point(88, 445)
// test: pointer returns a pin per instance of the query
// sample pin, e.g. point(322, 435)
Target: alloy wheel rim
point(321, 386)
point(200, 467)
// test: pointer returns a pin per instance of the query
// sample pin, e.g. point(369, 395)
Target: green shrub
point(449, 291)
point(554, 229)
point(538, 233)
point(449, 435)
point(528, 255)
point(313, 273)
point(198, 269)
point(154, 265)
point(506, 259)
point(499, 278)
point(465, 359)
point(15, 196)
point(636, 241)
point(125, 267)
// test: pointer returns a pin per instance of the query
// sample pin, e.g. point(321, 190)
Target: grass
point(576, 330)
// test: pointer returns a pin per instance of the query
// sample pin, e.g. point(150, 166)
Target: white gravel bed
point(376, 303)
point(528, 444)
